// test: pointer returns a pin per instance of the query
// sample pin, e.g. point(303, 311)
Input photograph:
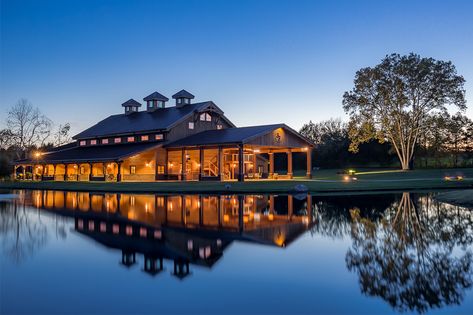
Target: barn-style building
point(185, 142)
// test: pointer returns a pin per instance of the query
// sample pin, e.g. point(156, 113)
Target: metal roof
point(93, 153)
point(143, 121)
point(131, 102)
point(183, 94)
point(230, 136)
point(156, 96)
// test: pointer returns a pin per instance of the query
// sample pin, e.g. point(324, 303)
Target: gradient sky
point(260, 61)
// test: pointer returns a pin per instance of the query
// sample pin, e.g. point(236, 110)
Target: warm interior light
point(226, 218)
point(37, 154)
point(346, 178)
point(271, 217)
point(256, 151)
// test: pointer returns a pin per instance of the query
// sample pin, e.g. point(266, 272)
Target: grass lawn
point(323, 181)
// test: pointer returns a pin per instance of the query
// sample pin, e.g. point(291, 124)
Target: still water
point(86, 253)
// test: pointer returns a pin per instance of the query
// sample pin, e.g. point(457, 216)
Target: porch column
point(309, 163)
point(271, 164)
point(65, 171)
point(24, 172)
point(201, 163)
point(184, 165)
point(255, 168)
point(289, 164)
point(91, 165)
point(271, 203)
point(241, 163)
point(221, 167)
point(119, 172)
point(54, 171)
point(104, 171)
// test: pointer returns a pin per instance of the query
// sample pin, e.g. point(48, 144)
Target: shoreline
point(282, 186)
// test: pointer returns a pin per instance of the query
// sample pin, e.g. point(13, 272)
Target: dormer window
point(131, 106)
point(154, 101)
point(182, 98)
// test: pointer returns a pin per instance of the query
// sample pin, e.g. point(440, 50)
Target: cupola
point(182, 98)
point(155, 101)
point(131, 106)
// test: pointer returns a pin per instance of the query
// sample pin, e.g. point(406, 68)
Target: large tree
point(393, 100)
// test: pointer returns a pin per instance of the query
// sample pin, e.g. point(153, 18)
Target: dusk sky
point(261, 61)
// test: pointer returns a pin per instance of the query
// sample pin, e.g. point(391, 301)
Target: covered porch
point(236, 154)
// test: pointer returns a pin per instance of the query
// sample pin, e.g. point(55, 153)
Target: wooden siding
point(279, 138)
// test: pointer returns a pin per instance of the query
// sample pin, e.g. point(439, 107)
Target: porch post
point(220, 163)
point(65, 171)
point(119, 172)
point(255, 169)
point(54, 171)
point(201, 163)
point(271, 164)
point(289, 164)
point(13, 177)
point(241, 163)
point(91, 165)
point(184, 165)
point(309, 163)
point(104, 171)
point(24, 172)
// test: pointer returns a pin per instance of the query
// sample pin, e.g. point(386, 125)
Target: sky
point(261, 62)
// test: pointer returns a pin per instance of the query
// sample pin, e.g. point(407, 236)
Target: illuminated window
point(160, 201)
point(159, 137)
point(91, 225)
point(116, 229)
point(144, 138)
point(130, 139)
point(157, 234)
point(93, 142)
point(103, 227)
point(205, 117)
point(80, 224)
point(129, 230)
point(143, 232)
point(82, 170)
point(117, 140)
point(191, 125)
point(160, 169)
point(104, 141)
point(219, 126)
point(83, 142)
point(133, 169)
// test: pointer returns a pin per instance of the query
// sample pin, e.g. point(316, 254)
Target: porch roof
point(240, 135)
point(91, 153)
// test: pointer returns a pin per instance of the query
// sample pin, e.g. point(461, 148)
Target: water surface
point(85, 253)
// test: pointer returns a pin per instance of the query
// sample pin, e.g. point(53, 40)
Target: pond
point(97, 253)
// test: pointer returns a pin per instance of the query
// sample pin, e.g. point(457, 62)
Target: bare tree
point(28, 126)
point(61, 135)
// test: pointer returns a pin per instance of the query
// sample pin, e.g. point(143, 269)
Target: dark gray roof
point(162, 119)
point(156, 96)
point(228, 136)
point(183, 94)
point(131, 102)
point(93, 153)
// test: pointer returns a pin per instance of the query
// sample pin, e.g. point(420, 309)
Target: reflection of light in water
point(305, 219)
point(108, 205)
point(131, 214)
point(279, 239)
point(271, 217)
point(132, 200)
point(146, 207)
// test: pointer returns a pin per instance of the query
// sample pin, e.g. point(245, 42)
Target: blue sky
point(260, 61)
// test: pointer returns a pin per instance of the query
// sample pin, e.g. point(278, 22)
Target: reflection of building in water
point(188, 229)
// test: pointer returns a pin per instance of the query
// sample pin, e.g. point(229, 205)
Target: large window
point(205, 117)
